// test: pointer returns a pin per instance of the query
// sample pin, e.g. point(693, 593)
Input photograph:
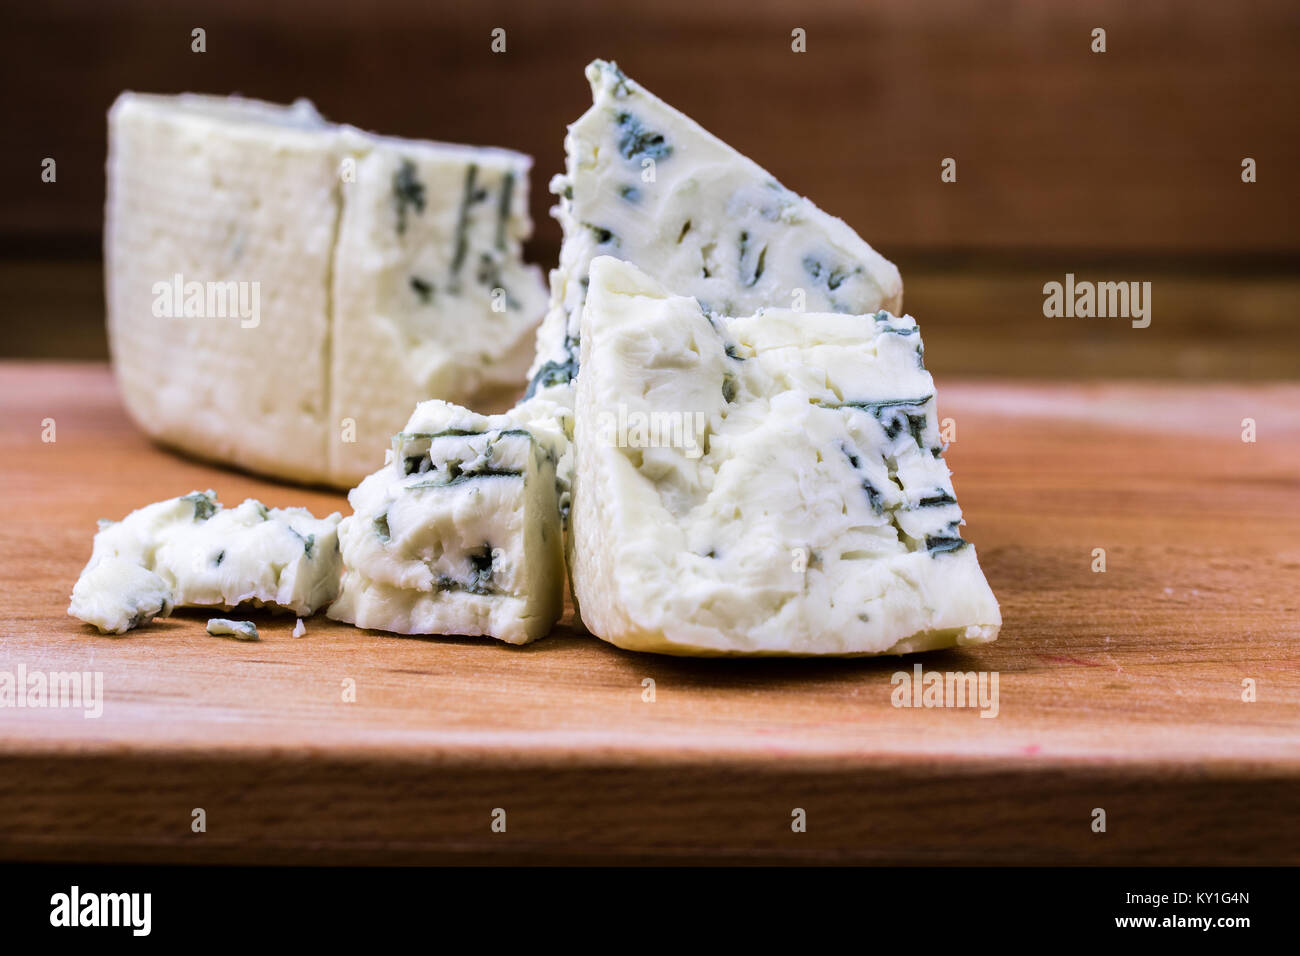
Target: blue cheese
point(772, 484)
point(458, 533)
point(238, 630)
point(281, 291)
point(117, 594)
point(646, 184)
point(431, 297)
point(192, 552)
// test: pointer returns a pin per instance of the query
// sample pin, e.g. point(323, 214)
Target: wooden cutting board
point(1119, 690)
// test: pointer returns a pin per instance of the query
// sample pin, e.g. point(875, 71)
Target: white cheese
point(649, 185)
point(458, 533)
point(190, 551)
point(281, 291)
point(764, 485)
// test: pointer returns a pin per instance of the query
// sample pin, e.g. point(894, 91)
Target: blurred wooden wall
point(1134, 150)
point(1126, 163)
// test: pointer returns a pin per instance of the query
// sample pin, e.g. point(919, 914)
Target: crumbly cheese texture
point(767, 485)
point(281, 291)
point(191, 551)
point(647, 184)
point(458, 533)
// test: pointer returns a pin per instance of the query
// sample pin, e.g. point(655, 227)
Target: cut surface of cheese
point(765, 485)
point(458, 533)
point(431, 297)
point(281, 291)
point(192, 552)
point(649, 185)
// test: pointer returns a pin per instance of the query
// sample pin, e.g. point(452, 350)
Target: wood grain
point(1120, 690)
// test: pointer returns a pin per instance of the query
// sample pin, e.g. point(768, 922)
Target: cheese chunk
point(772, 484)
point(646, 184)
point(190, 551)
point(281, 291)
point(118, 594)
point(458, 533)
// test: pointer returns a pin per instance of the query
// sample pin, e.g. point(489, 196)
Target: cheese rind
point(647, 184)
point(220, 192)
point(192, 552)
point(768, 485)
point(281, 290)
point(458, 533)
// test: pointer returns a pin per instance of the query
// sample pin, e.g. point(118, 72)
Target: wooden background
point(1123, 165)
point(1137, 149)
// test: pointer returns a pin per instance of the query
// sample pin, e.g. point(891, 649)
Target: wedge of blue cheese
point(649, 185)
point(458, 533)
point(766, 485)
point(192, 552)
point(281, 291)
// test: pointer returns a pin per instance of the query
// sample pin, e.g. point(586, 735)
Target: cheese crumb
point(239, 630)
